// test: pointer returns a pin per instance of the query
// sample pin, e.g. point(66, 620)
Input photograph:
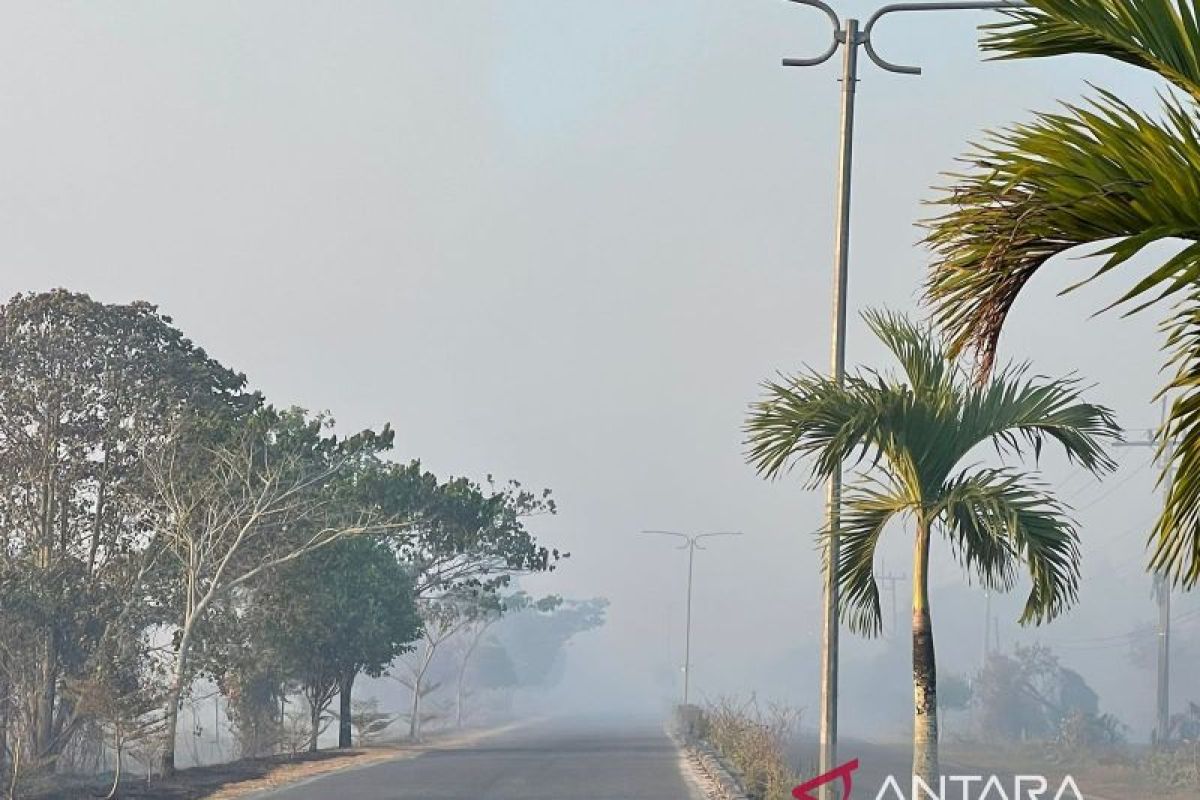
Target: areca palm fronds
point(914, 438)
point(1100, 173)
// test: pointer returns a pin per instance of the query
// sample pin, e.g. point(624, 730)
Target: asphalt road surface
point(542, 761)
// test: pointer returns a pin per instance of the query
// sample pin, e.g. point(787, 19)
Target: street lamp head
point(970, 5)
point(695, 537)
point(669, 533)
point(842, 32)
point(838, 36)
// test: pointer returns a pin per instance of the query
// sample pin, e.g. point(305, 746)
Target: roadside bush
point(1185, 726)
point(754, 742)
point(1082, 734)
point(1174, 767)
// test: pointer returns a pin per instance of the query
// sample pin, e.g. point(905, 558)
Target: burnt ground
point(201, 782)
point(246, 777)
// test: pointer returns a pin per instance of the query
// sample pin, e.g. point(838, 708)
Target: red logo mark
point(845, 771)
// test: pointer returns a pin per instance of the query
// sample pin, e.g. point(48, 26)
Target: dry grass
point(754, 742)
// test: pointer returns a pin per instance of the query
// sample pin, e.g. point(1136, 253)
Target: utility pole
point(692, 544)
point(1162, 595)
point(987, 626)
point(889, 580)
point(849, 35)
point(1162, 727)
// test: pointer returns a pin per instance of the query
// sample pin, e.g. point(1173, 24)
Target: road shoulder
point(291, 775)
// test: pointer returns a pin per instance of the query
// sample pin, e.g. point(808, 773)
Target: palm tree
point(1099, 173)
point(913, 437)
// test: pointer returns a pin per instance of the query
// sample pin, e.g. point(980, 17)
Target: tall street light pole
point(692, 544)
point(849, 36)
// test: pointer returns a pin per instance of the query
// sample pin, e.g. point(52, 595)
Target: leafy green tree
point(233, 510)
point(492, 667)
point(536, 636)
point(486, 615)
point(143, 489)
point(1104, 174)
point(336, 613)
point(913, 435)
point(254, 681)
point(368, 721)
point(88, 389)
point(954, 693)
point(1028, 694)
point(467, 543)
point(469, 535)
point(442, 619)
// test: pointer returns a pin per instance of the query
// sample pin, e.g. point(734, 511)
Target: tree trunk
point(116, 784)
point(171, 717)
point(461, 688)
point(166, 764)
point(4, 711)
point(458, 697)
point(314, 716)
point(43, 730)
point(925, 722)
point(345, 729)
point(414, 723)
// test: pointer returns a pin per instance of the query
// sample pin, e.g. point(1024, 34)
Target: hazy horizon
point(563, 242)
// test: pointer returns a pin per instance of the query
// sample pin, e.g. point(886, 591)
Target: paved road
point(545, 761)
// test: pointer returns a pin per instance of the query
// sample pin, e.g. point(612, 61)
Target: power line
point(1113, 487)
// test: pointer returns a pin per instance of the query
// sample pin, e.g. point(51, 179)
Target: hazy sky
point(560, 241)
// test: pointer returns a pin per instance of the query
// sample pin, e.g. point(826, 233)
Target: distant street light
point(692, 545)
point(850, 36)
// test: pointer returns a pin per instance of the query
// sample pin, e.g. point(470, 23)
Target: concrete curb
point(714, 777)
point(711, 765)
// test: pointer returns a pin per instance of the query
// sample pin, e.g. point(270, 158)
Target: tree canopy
point(160, 523)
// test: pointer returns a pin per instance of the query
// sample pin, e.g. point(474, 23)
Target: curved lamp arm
point(838, 36)
point(979, 5)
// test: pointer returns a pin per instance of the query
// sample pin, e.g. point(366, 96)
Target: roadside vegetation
point(1028, 712)
point(753, 743)
point(181, 558)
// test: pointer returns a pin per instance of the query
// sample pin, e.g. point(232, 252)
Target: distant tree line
point(163, 526)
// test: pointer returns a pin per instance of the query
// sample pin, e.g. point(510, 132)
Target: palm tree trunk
point(925, 722)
